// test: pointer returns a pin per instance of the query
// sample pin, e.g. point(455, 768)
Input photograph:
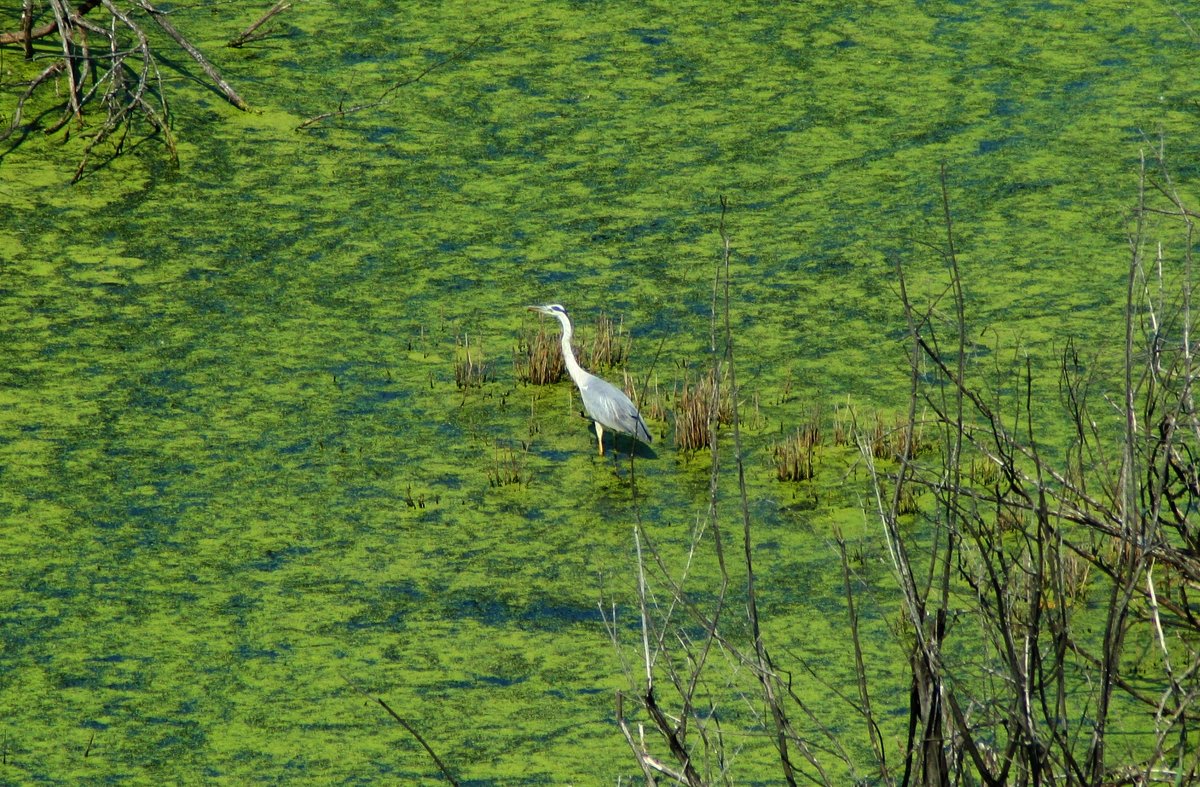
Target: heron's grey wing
point(611, 407)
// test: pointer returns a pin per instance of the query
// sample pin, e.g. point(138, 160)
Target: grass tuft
point(470, 370)
point(538, 359)
point(794, 455)
point(507, 468)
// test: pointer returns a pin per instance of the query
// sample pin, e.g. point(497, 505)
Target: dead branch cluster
point(1047, 598)
point(681, 639)
point(103, 69)
point(1031, 547)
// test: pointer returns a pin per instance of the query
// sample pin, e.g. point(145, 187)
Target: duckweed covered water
point(239, 485)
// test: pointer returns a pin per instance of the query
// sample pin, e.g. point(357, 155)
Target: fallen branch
point(54, 69)
point(248, 35)
point(100, 66)
point(209, 68)
point(28, 33)
point(411, 731)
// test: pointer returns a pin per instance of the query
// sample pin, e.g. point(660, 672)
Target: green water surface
point(238, 481)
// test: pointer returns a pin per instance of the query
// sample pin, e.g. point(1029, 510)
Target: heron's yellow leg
point(600, 437)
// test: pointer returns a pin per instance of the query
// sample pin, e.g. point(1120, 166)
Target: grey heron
point(606, 405)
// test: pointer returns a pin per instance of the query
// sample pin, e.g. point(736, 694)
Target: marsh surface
point(237, 478)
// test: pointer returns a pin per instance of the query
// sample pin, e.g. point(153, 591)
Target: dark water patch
point(247, 652)
point(653, 37)
point(541, 614)
point(502, 681)
point(275, 559)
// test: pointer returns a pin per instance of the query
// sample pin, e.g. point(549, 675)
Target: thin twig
point(410, 729)
point(639, 752)
point(52, 70)
point(248, 34)
point(458, 54)
point(860, 669)
point(765, 670)
point(61, 15)
point(27, 34)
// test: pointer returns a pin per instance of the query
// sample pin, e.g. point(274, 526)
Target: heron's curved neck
point(576, 371)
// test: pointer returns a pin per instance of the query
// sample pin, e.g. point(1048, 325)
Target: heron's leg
point(600, 436)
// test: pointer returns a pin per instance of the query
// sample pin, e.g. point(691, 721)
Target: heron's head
point(553, 309)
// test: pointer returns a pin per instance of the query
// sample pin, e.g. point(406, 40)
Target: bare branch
point(411, 731)
point(209, 68)
point(384, 97)
point(248, 34)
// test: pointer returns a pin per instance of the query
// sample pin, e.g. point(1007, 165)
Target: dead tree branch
point(410, 729)
point(249, 34)
point(120, 76)
point(165, 23)
point(1030, 542)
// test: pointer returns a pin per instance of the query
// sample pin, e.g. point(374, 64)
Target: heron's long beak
point(541, 309)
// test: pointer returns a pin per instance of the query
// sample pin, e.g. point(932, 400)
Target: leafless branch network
point(110, 67)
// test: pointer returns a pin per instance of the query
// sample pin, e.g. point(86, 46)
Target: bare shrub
point(1041, 594)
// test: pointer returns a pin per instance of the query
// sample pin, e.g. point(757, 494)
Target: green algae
point(238, 482)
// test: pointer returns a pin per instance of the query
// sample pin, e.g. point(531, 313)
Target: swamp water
point(238, 482)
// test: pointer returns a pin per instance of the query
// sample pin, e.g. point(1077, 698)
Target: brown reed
point(694, 408)
point(470, 370)
point(795, 454)
point(507, 468)
point(538, 358)
point(609, 347)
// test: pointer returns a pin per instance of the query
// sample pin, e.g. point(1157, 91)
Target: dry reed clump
point(751, 417)
point(470, 370)
point(693, 404)
point(794, 455)
point(843, 426)
point(694, 408)
point(983, 472)
point(907, 503)
point(609, 347)
point(1010, 520)
point(887, 440)
point(420, 500)
point(507, 468)
point(538, 359)
point(884, 439)
point(650, 402)
point(1075, 572)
